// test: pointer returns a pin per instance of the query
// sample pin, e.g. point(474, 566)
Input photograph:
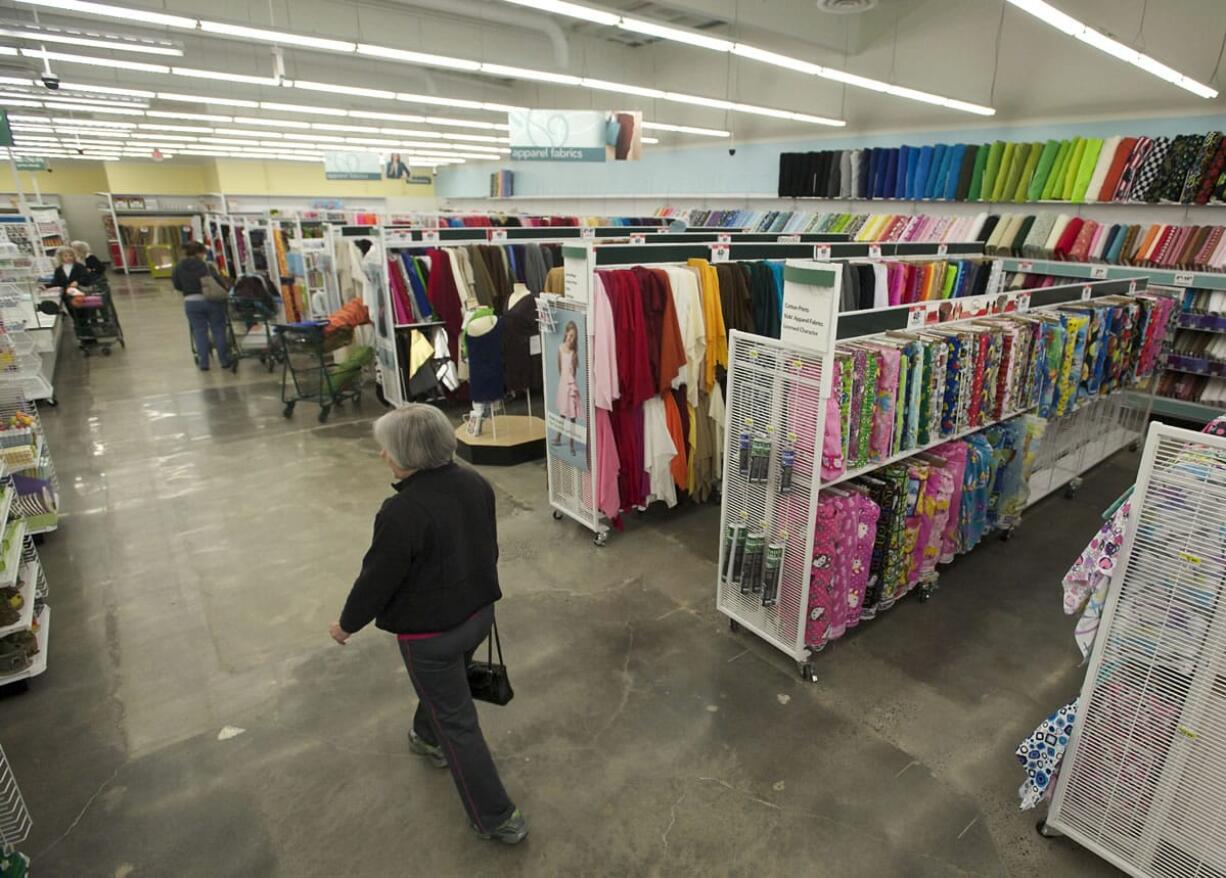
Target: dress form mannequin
point(517, 294)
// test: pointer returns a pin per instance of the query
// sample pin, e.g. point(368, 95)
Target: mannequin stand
point(504, 440)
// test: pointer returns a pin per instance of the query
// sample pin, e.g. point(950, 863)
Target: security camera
point(732, 150)
point(51, 81)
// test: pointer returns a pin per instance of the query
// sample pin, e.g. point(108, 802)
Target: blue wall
point(754, 169)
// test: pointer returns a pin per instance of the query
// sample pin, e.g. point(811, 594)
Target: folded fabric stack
point(1186, 169)
point(882, 283)
point(486, 220)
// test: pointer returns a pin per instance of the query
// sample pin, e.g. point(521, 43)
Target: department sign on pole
point(575, 135)
point(30, 163)
point(352, 166)
point(6, 133)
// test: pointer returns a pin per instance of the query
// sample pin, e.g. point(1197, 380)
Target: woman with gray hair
point(431, 578)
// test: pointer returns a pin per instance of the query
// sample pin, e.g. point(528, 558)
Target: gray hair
point(416, 437)
point(81, 248)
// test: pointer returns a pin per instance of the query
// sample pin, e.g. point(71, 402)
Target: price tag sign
point(638, 238)
point(821, 251)
point(498, 234)
point(1098, 272)
point(789, 239)
point(1132, 287)
point(1184, 279)
point(1085, 292)
point(874, 251)
point(724, 238)
point(915, 317)
point(942, 250)
point(429, 236)
point(587, 232)
point(1025, 267)
point(720, 252)
point(1023, 302)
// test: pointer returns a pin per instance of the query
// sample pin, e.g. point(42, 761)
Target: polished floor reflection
point(197, 721)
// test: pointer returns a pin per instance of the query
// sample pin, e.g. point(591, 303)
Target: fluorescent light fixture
point(387, 53)
point(7, 50)
point(14, 80)
point(525, 73)
point(271, 123)
point(574, 10)
point(106, 90)
point(279, 38)
point(101, 104)
point(755, 54)
point(686, 129)
point(196, 73)
point(356, 91)
point(91, 108)
point(1049, 14)
point(74, 58)
point(242, 132)
point(622, 88)
point(390, 117)
point(141, 16)
point(355, 129)
point(74, 39)
point(302, 108)
point(201, 99)
point(329, 138)
point(201, 117)
point(651, 140)
point(460, 123)
point(441, 102)
point(190, 129)
point(674, 34)
point(18, 102)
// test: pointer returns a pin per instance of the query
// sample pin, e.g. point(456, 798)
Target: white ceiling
point(944, 46)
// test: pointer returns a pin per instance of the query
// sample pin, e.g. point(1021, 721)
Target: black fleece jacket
point(433, 561)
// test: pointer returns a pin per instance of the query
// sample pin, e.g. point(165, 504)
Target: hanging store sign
point(29, 163)
point(576, 135)
point(6, 133)
point(352, 166)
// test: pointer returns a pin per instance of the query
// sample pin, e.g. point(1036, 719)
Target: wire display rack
point(15, 822)
point(1141, 782)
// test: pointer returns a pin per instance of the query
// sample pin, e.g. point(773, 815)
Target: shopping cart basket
point(95, 322)
point(307, 373)
point(252, 308)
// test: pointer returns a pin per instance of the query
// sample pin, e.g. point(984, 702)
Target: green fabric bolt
point(1021, 155)
point(981, 163)
point(995, 152)
point(1074, 165)
point(1043, 170)
point(951, 275)
point(1032, 163)
point(1055, 182)
point(1002, 173)
point(1086, 170)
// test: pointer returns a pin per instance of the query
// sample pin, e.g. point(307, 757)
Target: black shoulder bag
point(489, 681)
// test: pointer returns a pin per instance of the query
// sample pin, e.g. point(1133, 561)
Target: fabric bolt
point(1145, 181)
point(1214, 171)
point(1042, 753)
point(999, 180)
point(833, 451)
point(1042, 170)
point(1054, 186)
point(1115, 171)
point(1085, 170)
point(1106, 157)
point(821, 576)
point(1128, 188)
point(1184, 151)
point(1069, 182)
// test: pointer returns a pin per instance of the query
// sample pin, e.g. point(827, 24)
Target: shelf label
point(874, 251)
point(1023, 302)
point(1098, 272)
point(498, 234)
point(1184, 279)
point(942, 249)
point(821, 251)
point(1085, 292)
point(1132, 287)
point(1025, 267)
point(587, 232)
point(720, 252)
point(724, 238)
point(789, 239)
point(638, 238)
point(429, 236)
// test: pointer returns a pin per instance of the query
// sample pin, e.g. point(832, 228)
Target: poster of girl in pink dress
point(566, 423)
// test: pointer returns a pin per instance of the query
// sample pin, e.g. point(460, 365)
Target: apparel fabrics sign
point(810, 302)
point(352, 166)
point(576, 135)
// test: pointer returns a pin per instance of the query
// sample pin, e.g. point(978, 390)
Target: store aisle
point(196, 720)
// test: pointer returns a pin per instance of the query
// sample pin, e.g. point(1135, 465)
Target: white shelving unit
point(15, 822)
point(29, 339)
point(22, 571)
point(1141, 781)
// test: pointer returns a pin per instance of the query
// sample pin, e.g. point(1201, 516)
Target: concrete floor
point(207, 543)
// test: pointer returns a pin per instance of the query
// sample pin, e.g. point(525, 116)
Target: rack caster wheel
point(52, 401)
point(106, 352)
point(288, 411)
point(557, 516)
point(1042, 829)
point(1072, 488)
point(808, 673)
point(324, 411)
point(601, 539)
point(1134, 446)
point(1006, 535)
point(925, 594)
point(734, 626)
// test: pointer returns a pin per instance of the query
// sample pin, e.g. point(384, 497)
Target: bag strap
point(494, 638)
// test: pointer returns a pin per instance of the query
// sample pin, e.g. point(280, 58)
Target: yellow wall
point(63, 178)
point(242, 177)
point(154, 178)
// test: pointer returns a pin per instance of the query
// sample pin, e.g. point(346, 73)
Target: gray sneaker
point(431, 751)
point(512, 831)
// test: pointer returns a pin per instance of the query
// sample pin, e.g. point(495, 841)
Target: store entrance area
point(198, 720)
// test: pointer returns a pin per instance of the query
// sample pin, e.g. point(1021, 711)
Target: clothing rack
point(792, 376)
point(571, 491)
